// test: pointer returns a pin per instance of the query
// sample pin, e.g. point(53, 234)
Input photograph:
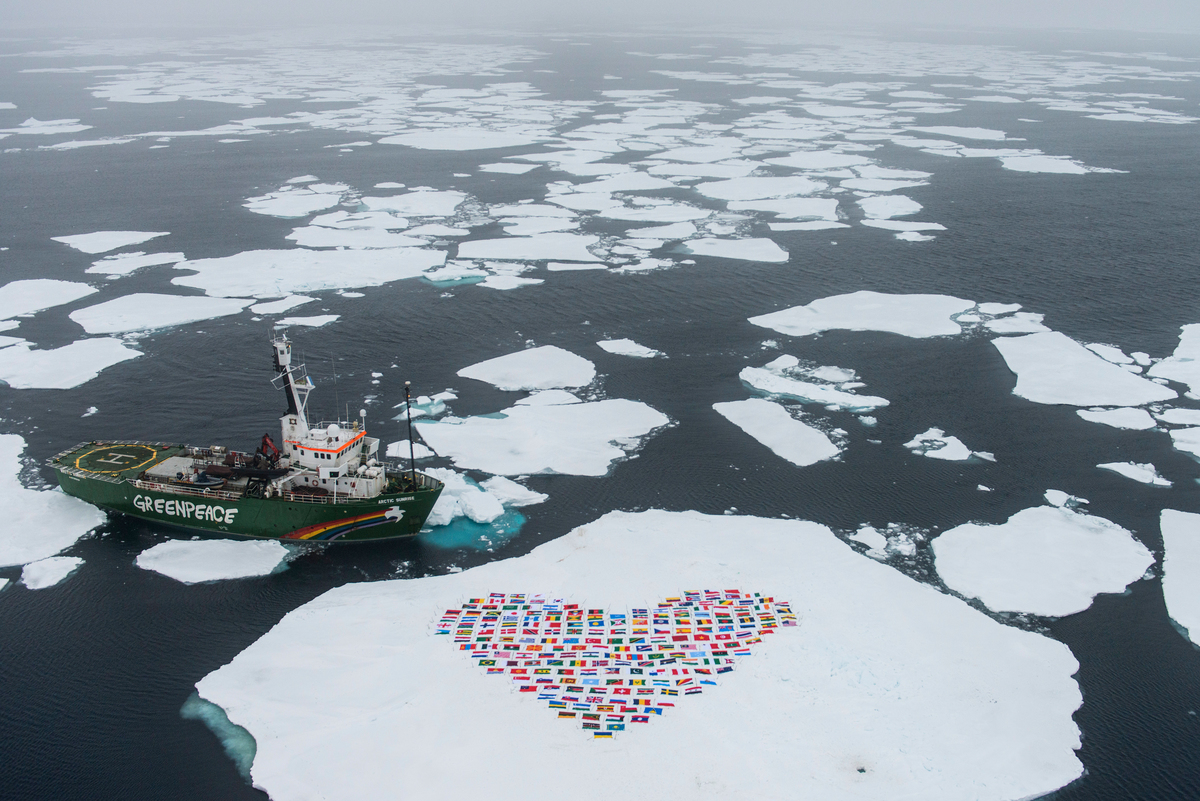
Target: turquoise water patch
point(462, 532)
point(238, 743)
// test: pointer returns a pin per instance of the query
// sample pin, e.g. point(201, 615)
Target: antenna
point(412, 459)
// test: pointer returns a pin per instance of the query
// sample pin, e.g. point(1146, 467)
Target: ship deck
point(115, 460)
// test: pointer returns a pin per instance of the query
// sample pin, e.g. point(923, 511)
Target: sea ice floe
point(1145, 473)
point(399, 450)
point(313, 321)
point(780, 380)
point(46, 127)
point(935, 444)
point(660, 213)
point(508, 282)
point(772, 425)
point(1180, 417)
point(125, 263)
point(1184, 364)
point(49, 571)
point(22, 367)
point(276, 273)
point(820, 160)
point(511, 169)
point(282, 305)
point(196, 561)
point(546, 367)
point(144, 311)
point(864, 698)
point(916, 316)
point(811, 225)
point(1040, 163)
point(883, 207)
point(964, 133)
point(464, 138)
point(1181, 569)
point(874, 540)
point(1135, 419)
point(318, 236)
point(1053, 368)
point(751, 249)
point(1019, 323)
point(582, 439)
point(510, 493)
point(1044, 560)
point(37, 523)
point(35, 294)
point(461, 497)
point(424, 203)
point(560, 247)
point(627, 347)
point(759, 188)
point(797, 208)
point(663, 232)
point(291, 202)
point(1183, 439)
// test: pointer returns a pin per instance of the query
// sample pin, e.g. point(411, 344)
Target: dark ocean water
point(93, 672)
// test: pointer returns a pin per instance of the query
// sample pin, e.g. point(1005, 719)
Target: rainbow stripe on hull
point(334, 529)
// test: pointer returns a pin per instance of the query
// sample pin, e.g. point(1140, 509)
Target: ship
point(322, 483)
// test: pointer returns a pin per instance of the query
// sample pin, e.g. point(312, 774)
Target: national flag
point(639, 719)
point(615, 727)
point(567, 714)
point(558, 705)
point(596, 726)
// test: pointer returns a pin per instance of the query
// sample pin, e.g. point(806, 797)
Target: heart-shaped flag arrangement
point(605, 670)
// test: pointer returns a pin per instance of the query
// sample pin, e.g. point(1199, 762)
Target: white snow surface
point(37, 523)
point(774, 382)
point(125, 263)
point(627, 347)
point(1144, 472)
point(563, 247)
point(787, 437)
point(145, 311)
point(510, 493)
point(400, 450)
point(313, 321)
point(581, 439)
point(104, 241)
point(935, 444)
point(461, 498)
point(22, 367)
point(49, 571)
point(195, 561)
point(546, 367)
point(1053, 368)
point(276, 273)
point(744, 249)
point(1135, 419)
point(1183, 439)
point(916, 316)
point(1044, 560)
point(1181, 569)
point(34, 294)
point(351, 696)
point(883, 207)
point(1184, 364)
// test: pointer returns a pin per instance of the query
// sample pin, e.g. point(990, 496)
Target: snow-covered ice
point(282, 305)
point(909, 315)
point(510, 493)
point(22, 367)
point(400, 450)
point(1135, 419)
point(777, 382)
point(464, 138)
point(104, 241)
point(884, 207)
point(1180, 417)
point(125, 263)
point(873, 691)
point(1184, 364)
point(745, 249)
point(935, 444)
point(461, 497)
point(1183, 439)
point(49, 571)
point(37, 523)
point(562, 247)
point(787, 437)
point(426, 203)
point(627, 347)
point(195, 561)
point(1044, 560)
point(1053, 368)
point(35, 294)
point(582, 439)
point(545, 367)
point(1145, 473)
point(312, 321)
point(759, 188)
point(276, 273)
point(1181, 569)
point(144, 311)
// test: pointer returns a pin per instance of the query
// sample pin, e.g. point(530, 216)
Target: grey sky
point(1175, 16)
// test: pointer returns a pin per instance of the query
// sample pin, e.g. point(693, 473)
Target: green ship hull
point(113, 476)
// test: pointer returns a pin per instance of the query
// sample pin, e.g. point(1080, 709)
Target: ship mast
point(297, 384)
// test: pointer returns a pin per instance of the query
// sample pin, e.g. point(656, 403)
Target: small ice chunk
point(1184, 364)
point(935, 444)
point(557, 246)
point(1043, 561)
point(424, 203)
point(104, 241)
point(759, 188)
point(511, 169)
point(144, 311)
point(811, 225)
point(399, 450)
point(770, 424)
point(1044, 164)
point(797, 208)
point(773, 383)
point(314, 321)
point(292, 203)
point(1183, 439)
point(627, 347)
point(1053, 368)
point(464, 137)
point(680, 230)
point(507, 282)
point(1135, 419)
point(546, 367)
point(35, 294)
point(1143, 472)
point(989, 134)
point(885, 207)
point(282, 305)
point(1180, 417)
point(999, 308)
point(1109, 353)
point(1019, 323)
point(746, 249)
point(916, 316)
point(1059, 498)
point(195, 561)
point(510, 493)
point(873, 539)
point(125, 263)
point(549, 397)
point(48, 572)
point(1181, 569)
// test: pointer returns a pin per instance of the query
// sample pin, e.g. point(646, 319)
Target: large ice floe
point(144, 311)
point(23, 367)
point(773, 426)
point(831, 387)
point(545, 367)
point(1142, 473)
point(49, 571)
point(1045, 560)
point(354, 696)
point(570, 437)
point(1053, 368)
point(277, 273)
point(195, 561)
point(35, 294)
point(909, 315)
point(37, 523)
point(1181, 569)
point(1184, 364)
point(104, 241)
